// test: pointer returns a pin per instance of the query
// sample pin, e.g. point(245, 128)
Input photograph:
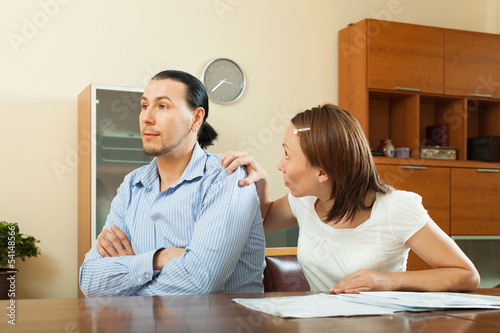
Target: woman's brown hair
point(336, 143)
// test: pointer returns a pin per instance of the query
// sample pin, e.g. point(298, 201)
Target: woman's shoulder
point(399, 205)
point(399, 196)
point(306, 202)
point(302, 208)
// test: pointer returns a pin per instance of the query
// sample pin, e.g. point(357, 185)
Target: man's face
point(166, 119)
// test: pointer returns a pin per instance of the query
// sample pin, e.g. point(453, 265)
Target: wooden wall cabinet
point(397, 79)
point(404, 56)
point(472, 63)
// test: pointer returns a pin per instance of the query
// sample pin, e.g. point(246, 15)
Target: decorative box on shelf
point(436, 135)
point(484, 148)
point(438, 153)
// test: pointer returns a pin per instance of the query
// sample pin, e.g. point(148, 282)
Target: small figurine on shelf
point(386, 147)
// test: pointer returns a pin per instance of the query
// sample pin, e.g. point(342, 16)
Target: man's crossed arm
point(116, 244)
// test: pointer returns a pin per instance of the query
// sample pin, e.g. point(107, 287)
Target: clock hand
point(218, 85)
point(233, 77)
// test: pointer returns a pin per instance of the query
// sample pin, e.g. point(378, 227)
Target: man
point(180, 225)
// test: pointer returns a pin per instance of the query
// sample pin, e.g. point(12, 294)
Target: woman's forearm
point(266, 201)
point(438, 279)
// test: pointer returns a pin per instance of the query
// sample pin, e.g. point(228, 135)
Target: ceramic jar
point(386, 147)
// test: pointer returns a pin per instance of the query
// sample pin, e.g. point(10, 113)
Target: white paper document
point(367, 303)
point(320, 305)
point(424, 301)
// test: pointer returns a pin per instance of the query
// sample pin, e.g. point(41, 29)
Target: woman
point(355, 231)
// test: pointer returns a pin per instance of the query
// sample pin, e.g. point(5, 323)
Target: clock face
point(224, 80)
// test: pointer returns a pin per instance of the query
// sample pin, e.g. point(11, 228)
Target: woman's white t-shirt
point(327, 255)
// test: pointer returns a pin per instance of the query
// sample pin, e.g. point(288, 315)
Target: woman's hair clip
point(297, 130)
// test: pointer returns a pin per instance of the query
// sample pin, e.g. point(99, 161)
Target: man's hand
point(113, 245)
point(161, 258)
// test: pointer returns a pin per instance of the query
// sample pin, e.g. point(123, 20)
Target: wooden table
point(217, 313)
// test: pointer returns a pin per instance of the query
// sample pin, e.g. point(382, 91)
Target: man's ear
point(322, 176)
point(198, 115)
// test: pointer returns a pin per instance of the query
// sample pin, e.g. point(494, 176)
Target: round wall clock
point(224, 80)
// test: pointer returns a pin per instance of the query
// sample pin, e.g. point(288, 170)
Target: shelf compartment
point(483, 118)
point(394, 115)
point(441, 110)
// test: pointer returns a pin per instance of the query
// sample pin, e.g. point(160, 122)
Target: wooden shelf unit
point(399, 78)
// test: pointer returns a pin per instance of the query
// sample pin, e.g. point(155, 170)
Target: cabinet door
point(405, 56)
point(475, 209)
point(472, 64)
point(432, 184)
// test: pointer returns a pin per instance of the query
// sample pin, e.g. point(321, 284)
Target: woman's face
point(299, 176)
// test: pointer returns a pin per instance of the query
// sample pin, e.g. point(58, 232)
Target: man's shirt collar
point(194, 169)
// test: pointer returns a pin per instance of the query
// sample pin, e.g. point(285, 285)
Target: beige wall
point(52, 49)
point(496, 6)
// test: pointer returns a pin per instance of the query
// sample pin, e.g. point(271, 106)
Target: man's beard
point(163, 149)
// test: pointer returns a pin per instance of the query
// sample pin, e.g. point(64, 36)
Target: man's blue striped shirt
point(218, 222)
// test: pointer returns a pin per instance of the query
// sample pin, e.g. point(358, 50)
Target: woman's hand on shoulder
point(364, 280)
point(233, 159)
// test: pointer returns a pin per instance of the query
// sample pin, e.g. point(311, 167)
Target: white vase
point(386, 147)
